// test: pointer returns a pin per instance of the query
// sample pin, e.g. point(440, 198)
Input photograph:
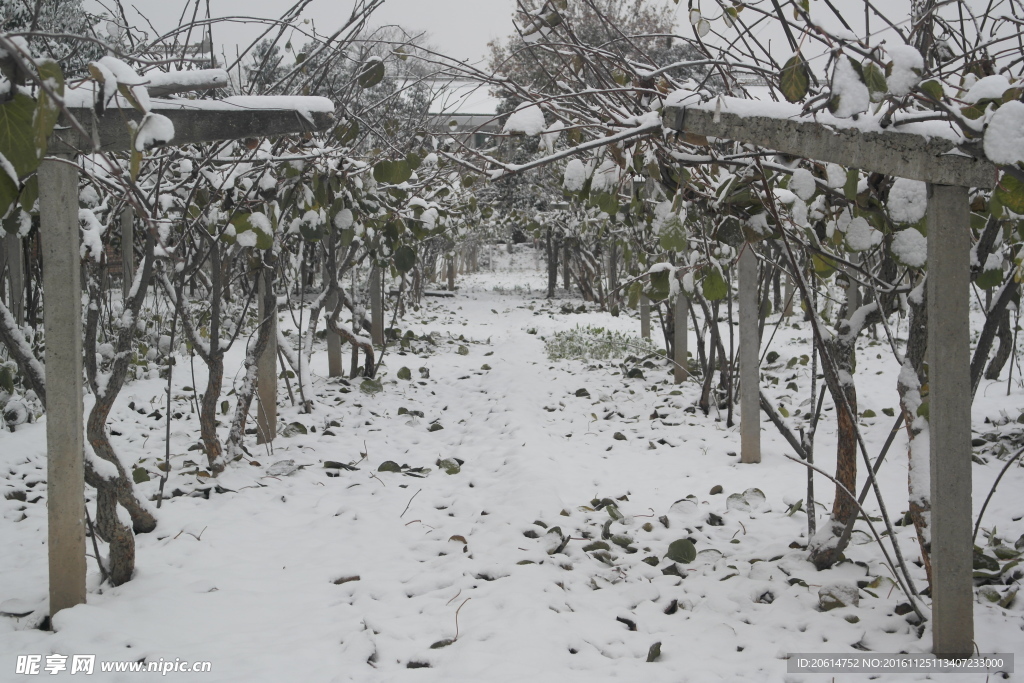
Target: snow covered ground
point(506, 562)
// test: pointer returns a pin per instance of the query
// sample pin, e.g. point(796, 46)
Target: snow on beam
point(196, 121)
point(162, 84)
point(930, 153)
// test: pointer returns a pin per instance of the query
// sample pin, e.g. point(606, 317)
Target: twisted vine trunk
point(247, 390)
point(112, 491)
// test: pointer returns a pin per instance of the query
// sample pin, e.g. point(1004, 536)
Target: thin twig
point(96, 548)
point(457, 617)
point(408, 504)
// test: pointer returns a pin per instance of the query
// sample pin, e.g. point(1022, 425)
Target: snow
point(606, 177)
point(802, 184)
point(247, 238)
point(304, 104)
point(910, 247)
point(860, 236)
point(155, 129)
point(835, 175)
point(343, 219)
point(1004, 136)
point(847, 86)
point(92, 233)
point(198, 77)
point(908, 200)
point(249, 575)
point(987, 88)
point(575, 175)
point(907, 67)
point(527, 119)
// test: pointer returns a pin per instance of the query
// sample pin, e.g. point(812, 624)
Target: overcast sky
point(460, 28)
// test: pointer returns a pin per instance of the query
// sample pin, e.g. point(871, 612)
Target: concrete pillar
point(334, 366)
point(645, 317)
point(266, 374)
point(62, 319)
point(680, 316)
point(565, 265)
point(613, 273)
point(789, 293)
point(949, 244)
point(750, 369)
point(127, 247)
point(16, 275)
point(376, 308)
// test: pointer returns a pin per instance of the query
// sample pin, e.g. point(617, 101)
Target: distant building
point(465, 109)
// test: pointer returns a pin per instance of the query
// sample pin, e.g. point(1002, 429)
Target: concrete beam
point(892, 152)
point(190, 126)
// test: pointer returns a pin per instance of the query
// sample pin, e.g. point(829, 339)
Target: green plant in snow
point(595, 343)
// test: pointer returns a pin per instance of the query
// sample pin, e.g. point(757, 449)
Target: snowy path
point(253, 579)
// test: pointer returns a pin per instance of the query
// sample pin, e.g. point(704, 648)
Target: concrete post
point(613, 273)
point(334, 366)
point(565, 265)
point(949, 244)
point(16, 275)
point(128, 247)
point(750, 370)
point(789, 292)
point(266, 374)
point(680, 317)
point(645, 317)
point(376, 308)
point(62, 318)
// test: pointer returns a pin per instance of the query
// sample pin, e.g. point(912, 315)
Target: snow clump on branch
point(907, 67)
point(527, 119)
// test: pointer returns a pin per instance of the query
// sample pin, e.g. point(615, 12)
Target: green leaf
point(389, 466)
point(450, 466)
point(140, 475)
point(47, 111)
point(1010, 192)
point(347, 132)
point(8, 192)
point(795, 78)
point(875, 80)
point(682, 551)
point(990, 279)
point(850, 188)
point(371, 73)
point(6, 379)
point(17, 135)
point(714, 286)
point(404, 373)
point(405, 258)
point(660, 286)
point(673, 235)
point(933, 88)
point(634, 294)
point(823, 265)
point(30, 195)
